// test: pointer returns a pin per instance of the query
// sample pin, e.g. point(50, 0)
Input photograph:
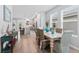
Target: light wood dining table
point(52, 38)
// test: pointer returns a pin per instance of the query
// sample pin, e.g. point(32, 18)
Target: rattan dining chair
point(59, 30)
point(37, 36)
point(42, 39)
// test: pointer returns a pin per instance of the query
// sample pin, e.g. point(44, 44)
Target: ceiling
point(27, 11)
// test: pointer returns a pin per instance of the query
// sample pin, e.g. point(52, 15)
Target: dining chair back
point(41, 34)
point(37, 36)
point(42, 40)
point(59, 30)
point(37, 32)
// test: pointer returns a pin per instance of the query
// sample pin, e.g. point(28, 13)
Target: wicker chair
point(59, 30)
point(37, 36)
point(42, 39)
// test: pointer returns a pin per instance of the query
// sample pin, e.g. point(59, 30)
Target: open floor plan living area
point(39, 28)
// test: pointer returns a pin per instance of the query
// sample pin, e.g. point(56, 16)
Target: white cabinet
point(70, 20)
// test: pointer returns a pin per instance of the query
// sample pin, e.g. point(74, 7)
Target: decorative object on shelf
point(47, 24)
point(52, 30)
point(7, 14)
point(47, 29)
point(54, 25)
point(59, 30)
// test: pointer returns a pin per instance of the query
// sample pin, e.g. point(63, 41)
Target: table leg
point(51, 45)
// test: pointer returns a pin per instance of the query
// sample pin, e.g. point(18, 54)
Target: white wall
point(0, 23)
point(27, 11)
point(58, 8)
point(3, 23)
point(38, 20)
point(78, 22)
point(42, 18)
point(1, 20)
point(11, 10)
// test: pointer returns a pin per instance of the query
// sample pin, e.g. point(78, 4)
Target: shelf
point(73, 35)
point(54, 22)
point(67, 21)
point(70, 20)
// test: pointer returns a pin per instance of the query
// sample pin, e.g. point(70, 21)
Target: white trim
point(74, 47)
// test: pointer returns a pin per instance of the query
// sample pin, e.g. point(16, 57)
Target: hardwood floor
point(27, 44)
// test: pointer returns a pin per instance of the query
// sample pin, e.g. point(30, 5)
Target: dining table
point(52, 37)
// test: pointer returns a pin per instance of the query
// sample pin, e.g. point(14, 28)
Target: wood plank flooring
point(27, 44)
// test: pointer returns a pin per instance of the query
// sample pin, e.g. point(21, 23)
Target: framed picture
point(7, 14)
